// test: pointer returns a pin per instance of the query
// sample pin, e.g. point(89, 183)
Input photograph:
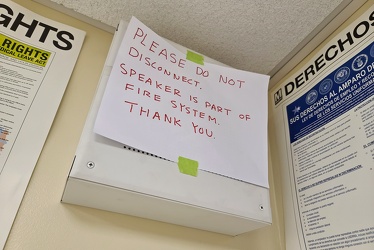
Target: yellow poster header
point(13, 48)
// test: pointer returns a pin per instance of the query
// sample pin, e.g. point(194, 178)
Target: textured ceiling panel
point(253, 35)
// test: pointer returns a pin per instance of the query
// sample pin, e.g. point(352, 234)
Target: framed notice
point(37, 57)
point(324, 117)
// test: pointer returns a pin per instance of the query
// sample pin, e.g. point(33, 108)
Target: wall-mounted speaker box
point(111, 176)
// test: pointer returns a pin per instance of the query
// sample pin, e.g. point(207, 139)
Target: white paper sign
point(158, 101)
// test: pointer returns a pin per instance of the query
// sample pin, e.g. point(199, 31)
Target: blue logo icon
point(341, 75)
point(372, 51)
point(311, 97)
point(325, 86)
point(359, 62)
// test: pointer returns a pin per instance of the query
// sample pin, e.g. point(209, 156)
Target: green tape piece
point(196, 58)
point(187, 166)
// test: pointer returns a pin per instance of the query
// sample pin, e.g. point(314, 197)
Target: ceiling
point(253, 35)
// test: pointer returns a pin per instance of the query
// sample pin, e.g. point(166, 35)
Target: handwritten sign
point(158, 101)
